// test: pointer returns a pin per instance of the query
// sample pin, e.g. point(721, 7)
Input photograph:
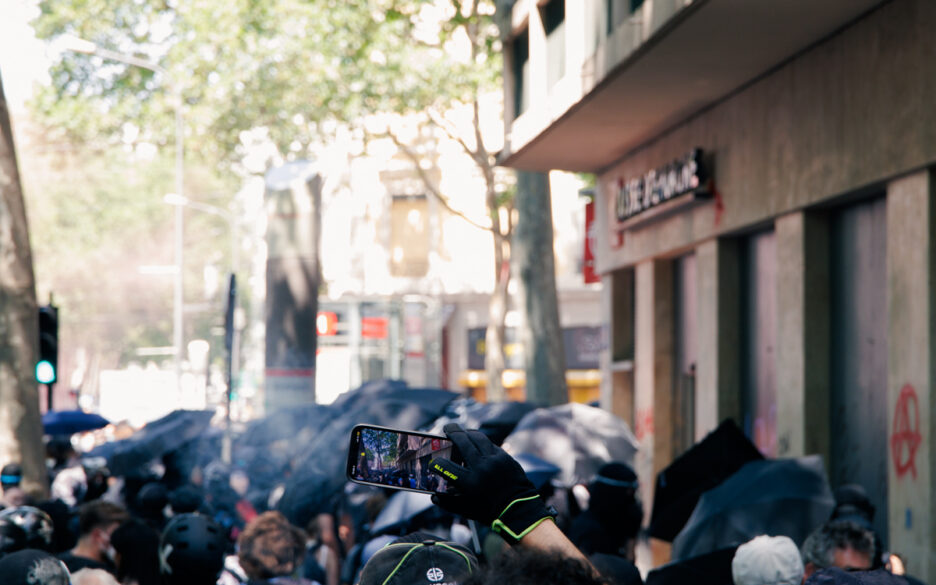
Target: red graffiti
point(644, 423)
point(905, 439)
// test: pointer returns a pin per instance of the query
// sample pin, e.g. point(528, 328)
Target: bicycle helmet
point(35, 523)
point(12, 537)
point(191, 549)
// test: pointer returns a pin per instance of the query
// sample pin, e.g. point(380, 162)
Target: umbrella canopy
point(69, 422)
point(156, 439)
point(788, 497)
point(320, 472)
point(705, 465)
point(538, 471)
point(577, 438)
point(284, 424)
point(712, 568)
point(495, 419)
point(399, 509)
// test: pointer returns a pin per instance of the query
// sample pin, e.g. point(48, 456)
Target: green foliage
point(290, 67)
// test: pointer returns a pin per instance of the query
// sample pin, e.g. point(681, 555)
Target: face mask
point(111, 554)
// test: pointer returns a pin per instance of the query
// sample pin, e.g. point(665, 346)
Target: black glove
point(490, 487)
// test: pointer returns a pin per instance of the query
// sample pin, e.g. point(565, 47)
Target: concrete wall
point(851, 112)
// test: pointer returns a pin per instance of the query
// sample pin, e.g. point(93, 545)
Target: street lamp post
point(234, 348)
point(78, 45)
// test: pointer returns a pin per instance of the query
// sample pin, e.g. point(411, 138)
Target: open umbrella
point(157, 438)
point(399, 509)
point(69, 422)
point(537, 470)
point(577, 438)
point(788, 497)
point(705, 465)
point(495, 419)
point(320, 472)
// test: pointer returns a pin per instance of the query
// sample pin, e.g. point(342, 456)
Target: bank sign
point(658, 186)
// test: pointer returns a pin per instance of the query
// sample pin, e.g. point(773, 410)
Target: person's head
point(767, 560)
point(93, 577)
point(186, 499)
point(191, 550)
point(33, 567)
point(97, 520)
point(12, 537)
point(136, 545)
point(533, 567)
point(97, 475)
point(851, 503)
point(11, 476)
point(151, 500)
point(838, 543)
point(35, 523)
point(613, 499)
point(419, 559)
point(270, 547)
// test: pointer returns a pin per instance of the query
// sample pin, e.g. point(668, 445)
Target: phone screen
point(396, 459)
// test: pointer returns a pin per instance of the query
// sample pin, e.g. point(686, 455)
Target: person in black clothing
point(97, 521)
point(612, 520)
point(136, 545)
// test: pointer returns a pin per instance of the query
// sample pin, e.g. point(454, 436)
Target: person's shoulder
point(76, 563)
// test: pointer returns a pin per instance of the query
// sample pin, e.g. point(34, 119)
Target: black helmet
point(35, 523)
point(12, 537)
point(192, 548)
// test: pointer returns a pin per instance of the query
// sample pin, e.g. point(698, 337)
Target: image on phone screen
point(396, 459)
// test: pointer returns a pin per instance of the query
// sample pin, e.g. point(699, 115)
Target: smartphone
point(397, 459)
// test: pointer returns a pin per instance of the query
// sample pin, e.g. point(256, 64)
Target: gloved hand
point(490, 487)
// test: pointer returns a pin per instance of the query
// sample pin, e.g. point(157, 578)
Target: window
point(409, 229)
point(553, 15)
point(521, 72)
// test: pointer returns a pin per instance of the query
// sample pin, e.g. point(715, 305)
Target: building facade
point(765, 223)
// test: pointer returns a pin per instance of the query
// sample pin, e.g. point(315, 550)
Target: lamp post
point(233, 342)
point(78, 45)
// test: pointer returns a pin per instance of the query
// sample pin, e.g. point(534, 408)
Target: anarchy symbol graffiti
point(905, 437)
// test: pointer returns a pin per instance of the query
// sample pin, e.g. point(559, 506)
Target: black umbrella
point(320, 472)
point(157, 438)
point(705, 465)
point(69, 422)
point(284, 424)
point(789, 497)
point(399, 509)
point(495, 419)
point(577, 438)
point(713, 568)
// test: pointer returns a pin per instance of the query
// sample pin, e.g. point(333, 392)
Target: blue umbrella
point(69, 422)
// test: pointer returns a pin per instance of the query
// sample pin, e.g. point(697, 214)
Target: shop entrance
point(858, 368)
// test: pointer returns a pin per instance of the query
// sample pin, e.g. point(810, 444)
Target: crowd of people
point(203, 527)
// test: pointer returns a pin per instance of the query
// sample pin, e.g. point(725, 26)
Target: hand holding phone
point(490, 486)
point(397, 459)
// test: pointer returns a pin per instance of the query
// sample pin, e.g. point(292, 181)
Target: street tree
point(292, 74)
point(20, 425)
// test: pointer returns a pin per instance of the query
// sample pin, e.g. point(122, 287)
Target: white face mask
point(111, 554)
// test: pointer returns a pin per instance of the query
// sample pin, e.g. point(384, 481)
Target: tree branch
point(430, 186)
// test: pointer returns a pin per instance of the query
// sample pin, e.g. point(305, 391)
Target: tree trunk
point(540, 333)
point(494, 337)
point(20, 425)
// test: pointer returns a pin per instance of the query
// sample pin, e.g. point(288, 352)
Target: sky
point(22, 56)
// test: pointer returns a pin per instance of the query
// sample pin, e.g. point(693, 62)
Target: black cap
point(33, 567)
point(419, 560)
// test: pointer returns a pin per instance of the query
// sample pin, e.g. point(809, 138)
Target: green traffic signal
point(45, 372)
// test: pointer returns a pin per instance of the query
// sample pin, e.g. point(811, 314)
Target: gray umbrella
point(577, 438)
point(788, 497)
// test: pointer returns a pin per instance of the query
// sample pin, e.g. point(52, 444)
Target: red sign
point(436, 444)
point(590, 244)
point(374, 327)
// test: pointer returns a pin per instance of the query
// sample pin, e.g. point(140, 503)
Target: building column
point(654, 356)
point(802, 364)
point(617, 359)
point(718, 375)
point(911, 286)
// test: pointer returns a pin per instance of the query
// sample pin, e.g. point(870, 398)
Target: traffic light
point(47, 366)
